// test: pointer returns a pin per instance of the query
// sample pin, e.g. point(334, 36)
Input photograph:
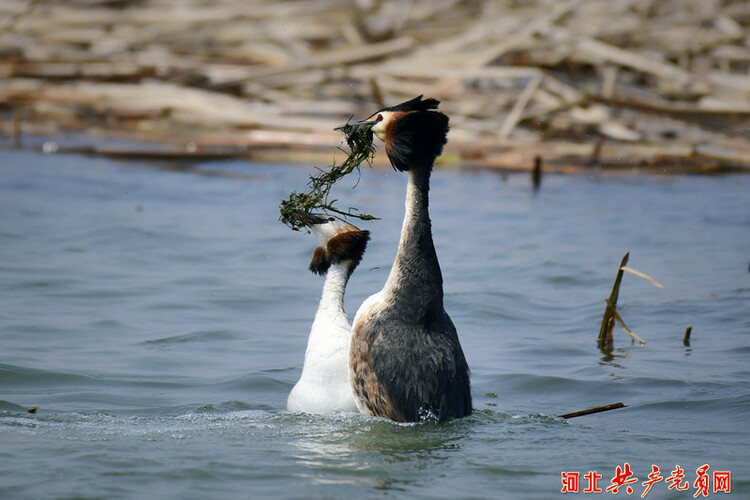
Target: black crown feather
point(417, 137)
point(416, 104)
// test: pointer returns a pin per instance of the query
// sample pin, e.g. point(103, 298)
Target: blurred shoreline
point(661, 87)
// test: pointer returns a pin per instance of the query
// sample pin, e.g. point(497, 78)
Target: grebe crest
point(414, 133)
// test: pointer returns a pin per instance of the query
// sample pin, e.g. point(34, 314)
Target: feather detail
point(320, 262)
point(398, 141)
point(416, 137)
point(416, 104)
point(348, 245)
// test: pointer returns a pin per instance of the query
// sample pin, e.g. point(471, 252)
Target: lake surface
point(157, 317)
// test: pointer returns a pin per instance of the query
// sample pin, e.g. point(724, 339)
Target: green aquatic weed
point(317, 197)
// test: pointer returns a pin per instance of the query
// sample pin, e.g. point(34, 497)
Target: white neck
point(332, 298)
point(324, 384)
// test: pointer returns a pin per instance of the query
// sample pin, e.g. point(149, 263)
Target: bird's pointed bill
point(309, 219)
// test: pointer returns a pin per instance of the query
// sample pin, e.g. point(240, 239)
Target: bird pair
point(401, 358)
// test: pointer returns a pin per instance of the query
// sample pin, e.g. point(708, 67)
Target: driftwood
point(654, 86)
point(591, 411)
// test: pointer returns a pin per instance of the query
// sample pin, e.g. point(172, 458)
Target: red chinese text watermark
point(625, 480)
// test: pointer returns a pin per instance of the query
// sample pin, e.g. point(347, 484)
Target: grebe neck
point(415, 281)
point(334, 287)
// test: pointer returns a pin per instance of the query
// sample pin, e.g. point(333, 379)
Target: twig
point(597, 50)
point(515, 114)
point(536, 173)
point(686, 338)
point(611, 303)
point(377, 50)
point(622, 324)
point(540, 25)
point(596, 409)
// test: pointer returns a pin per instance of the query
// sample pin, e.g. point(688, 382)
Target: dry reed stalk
point(667, 87)
point(686, 337)
point(609, 311)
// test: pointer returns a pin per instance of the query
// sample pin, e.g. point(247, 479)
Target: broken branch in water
point(611, 305)
point(686, 337)
point(596, 409)
point(359, 140)
point(622, 324)
point(610, 312)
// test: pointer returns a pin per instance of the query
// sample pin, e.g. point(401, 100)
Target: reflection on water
point(158, 319)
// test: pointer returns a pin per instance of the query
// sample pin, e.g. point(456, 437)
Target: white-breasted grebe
point(324, 385)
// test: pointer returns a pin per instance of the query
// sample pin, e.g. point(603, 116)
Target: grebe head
point(413, 131)
point(338, 241)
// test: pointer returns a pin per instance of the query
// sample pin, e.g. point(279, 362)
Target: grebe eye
point(379, 118)
point(331, 219)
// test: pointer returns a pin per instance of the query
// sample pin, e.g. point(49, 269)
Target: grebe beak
point(309, 219)
point(357, 124)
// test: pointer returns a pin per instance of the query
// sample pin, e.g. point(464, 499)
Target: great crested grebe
point(324, 385)
point(406, 360)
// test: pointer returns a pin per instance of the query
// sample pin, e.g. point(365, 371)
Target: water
point(157, 317)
